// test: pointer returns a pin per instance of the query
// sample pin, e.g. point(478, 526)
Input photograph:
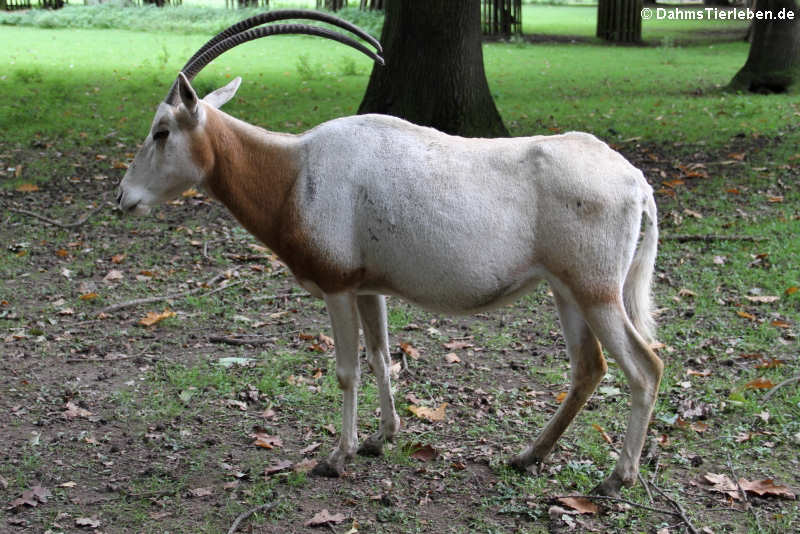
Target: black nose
point(119, 198)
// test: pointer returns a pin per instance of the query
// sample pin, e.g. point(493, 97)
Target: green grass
point(87, 91)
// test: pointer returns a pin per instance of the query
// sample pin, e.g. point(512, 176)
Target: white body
point(367, 206)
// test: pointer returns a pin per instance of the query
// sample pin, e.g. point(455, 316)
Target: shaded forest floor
point(112, 426)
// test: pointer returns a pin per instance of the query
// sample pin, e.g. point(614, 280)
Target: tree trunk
point(773, 65)
point(434, 69)
point(332, 5)
point(372, 5)
point(620, 21)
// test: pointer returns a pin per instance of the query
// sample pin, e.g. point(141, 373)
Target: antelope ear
point(221, 96)
point(186, 91)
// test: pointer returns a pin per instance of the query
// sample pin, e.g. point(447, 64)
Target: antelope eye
point(160, 135)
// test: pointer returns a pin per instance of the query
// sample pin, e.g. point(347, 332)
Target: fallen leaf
point(305, 465)
point(561, 396)
point(791, 290)
point(580, 504)
point(760, 383)
point(154, 317)
point(602, 433)
point(32, 497)
point(201, 492)
point(766, 487)
point(74, 411)
point(323, 518)
point(326, 340)
point(780, 324)
point(762, 299)
point(26, 187)
point(777, 199)
point(673, 183)
point(458, 345)
point(280, 465)
point(723, 484)
point(69, 484)
point(428, 413)
point(738, 156)
point(89, 296)
point(411, 351)
point(266, 441)
point(423, 453)
point(745, 315)
point(704, 372)
point(88, 522)
point(113, 275)
point(698, 426)
point(117, 258)
point(310, 448)
point(451, 357)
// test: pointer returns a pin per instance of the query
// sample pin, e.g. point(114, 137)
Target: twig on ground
point(736, 479)
point(708, 238)
point(282, 296)
point(678, 508)
point(266, 507)
point(54, 222)
point(775, 388)
point(149, 300)
point(242, 340)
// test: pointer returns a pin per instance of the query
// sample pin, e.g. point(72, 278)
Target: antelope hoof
point(329, 469)
point(373, 446)
point(526, 466)
point(609, 487)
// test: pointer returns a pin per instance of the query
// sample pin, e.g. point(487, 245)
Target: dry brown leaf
point(409, 350)
point(452, 357)
point(561, 396)
point(766, 487)
point(457, 345)
point(580, 505)
point(429, 414)
point(745, 315)
point(791, 290)
point(760, 383)
point(277, 467)
point(154, 317)
point(325, 339)
point(323, 518)
point(704, 372)
point(27, 187)
point(89, 296)
point(698, 426)
point(266, 441)
point(117, 258)
point(423, 453)
point(201, 492)
point(773, 363)
point(602, 433)
point(74, 411)
point(780, 324)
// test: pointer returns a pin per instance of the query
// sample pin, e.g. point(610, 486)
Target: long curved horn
point(284, 14)
point(238, 34)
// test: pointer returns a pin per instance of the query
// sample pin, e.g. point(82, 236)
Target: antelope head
point(166, 163)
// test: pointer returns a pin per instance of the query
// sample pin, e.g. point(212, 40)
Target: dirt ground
point(110, 426)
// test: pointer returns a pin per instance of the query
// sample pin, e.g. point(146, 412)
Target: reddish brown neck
point(250, 170)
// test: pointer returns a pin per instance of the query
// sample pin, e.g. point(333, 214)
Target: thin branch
point(675, 504)
point(708, 238)
point(281, 296)
point(267, 507)
point(240, 340)
point(149, 300)
point(786, 382)
point(54, 222)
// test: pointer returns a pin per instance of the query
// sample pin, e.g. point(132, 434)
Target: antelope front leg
point(344, 320)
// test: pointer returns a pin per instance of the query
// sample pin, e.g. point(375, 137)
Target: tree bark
point(434, 73)
point(619, 21)
point(773, 64)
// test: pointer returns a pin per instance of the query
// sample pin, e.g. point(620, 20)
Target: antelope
point(366, 206)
